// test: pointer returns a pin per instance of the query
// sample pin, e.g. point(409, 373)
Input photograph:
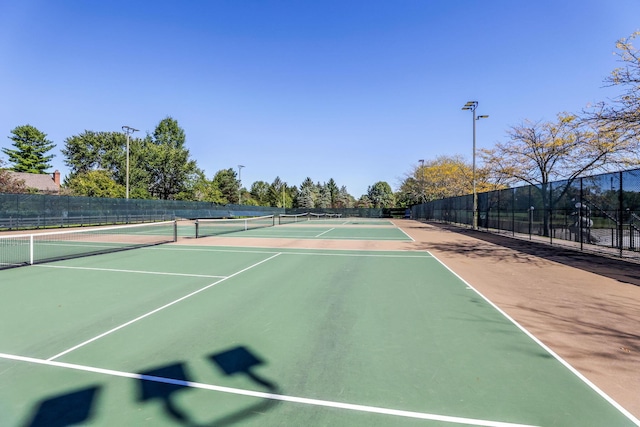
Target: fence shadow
point(614, 268)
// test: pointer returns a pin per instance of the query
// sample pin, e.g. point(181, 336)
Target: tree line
point(160, 167)
point(601, 138)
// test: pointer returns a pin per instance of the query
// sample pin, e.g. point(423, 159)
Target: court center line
point(160, 273)
point(110, 331)
point(265, 395)
point(324, 232)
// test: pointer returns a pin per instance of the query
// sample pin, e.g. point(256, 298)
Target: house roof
point(37, 181)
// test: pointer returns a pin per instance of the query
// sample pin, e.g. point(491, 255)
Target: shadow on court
point(501, 248)
point(69, 409)
point(163, 384)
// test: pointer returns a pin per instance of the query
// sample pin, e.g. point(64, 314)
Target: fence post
point(551, 229)
point(621, 216)
point(513, 212)
point(580, 235)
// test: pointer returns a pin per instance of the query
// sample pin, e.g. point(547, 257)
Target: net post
point(197, 226)
point(175, 230)
point(31, 249)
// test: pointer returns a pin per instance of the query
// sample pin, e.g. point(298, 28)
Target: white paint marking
point(547, 349)
point(272, 396)
point(334, 252)
point(324, 232)
point(160, 273)
point(405, 233)
point(157, 310)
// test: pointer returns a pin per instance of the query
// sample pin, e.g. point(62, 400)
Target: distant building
point(42, 183)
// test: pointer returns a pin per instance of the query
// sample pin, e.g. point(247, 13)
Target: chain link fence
point(33, 211)
point(596, 213)
point(29, 211)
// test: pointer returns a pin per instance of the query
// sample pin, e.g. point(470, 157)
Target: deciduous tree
point(8, 184)
point(541, 152)
point(167, 161)
point(95, 183)
point(226, 181)
point(94, 151)
point(622, 115)
point(260, 192)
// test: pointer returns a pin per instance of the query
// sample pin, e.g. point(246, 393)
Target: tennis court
point(207, 335)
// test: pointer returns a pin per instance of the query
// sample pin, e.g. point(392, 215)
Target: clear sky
point(354, 90)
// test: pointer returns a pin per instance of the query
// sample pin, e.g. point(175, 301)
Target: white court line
point(324, 232)
point(328, 252)
point(272, 396)
point(82, 344)
point(546, 348)
point(405, 233)
point(160, 273)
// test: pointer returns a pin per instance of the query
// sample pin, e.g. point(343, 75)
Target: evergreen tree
point(30, 153)
point(324, 199)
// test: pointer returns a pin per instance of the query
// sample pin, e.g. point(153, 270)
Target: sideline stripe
point(546, 348)
point(160, 273)
point(272, 396)
point(405, 233)
point(82, 344)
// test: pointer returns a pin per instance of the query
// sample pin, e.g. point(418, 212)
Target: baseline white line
point(328, 252)
point(547, 349)
point(82, 344)
point(272, 396)
point(159, 273)
point(325, 232)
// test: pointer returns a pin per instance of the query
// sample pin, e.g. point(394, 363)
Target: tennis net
point(215, 227)
point(292, 218)
point(317, 216)
point(25, 249)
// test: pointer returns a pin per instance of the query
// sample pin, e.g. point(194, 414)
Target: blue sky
point(357, 91)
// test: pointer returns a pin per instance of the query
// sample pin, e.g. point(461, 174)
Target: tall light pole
point(422, 180)
point(128, 130)
point(240, 184)
point(471, 106)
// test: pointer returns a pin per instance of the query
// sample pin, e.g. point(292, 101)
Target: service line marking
point(110, 331)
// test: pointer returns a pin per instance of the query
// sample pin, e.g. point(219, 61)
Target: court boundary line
point(266, 395)
point(300, 251)
point(325, 232)
point(110, 331)
point(247, 235)
point(117, 270)
point(556, 356)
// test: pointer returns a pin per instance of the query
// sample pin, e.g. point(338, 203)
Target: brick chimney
point(56, 178)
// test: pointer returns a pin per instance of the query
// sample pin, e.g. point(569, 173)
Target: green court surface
point(332, 229)
point(326, 232)
point(177, 335)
